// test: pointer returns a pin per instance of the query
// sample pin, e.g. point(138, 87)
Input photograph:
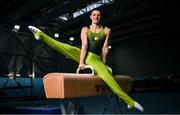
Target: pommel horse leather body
point(71, 85)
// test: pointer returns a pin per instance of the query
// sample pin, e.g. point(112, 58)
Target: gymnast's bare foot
point(35, 31)
point(137, 106)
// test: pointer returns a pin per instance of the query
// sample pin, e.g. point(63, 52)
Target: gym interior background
point(144, 44)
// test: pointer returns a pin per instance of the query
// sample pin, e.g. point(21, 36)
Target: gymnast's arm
point(83, 47)
point(105, 46)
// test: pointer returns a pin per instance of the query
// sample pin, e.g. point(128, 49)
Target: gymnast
point(94, 50)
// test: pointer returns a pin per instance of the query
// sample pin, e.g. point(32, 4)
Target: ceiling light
point(71, 38)
point(56, 35)
point(17, 27)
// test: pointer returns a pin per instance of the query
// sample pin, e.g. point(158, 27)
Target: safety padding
point(70, 85)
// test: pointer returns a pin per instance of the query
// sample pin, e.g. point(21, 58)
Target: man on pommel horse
point(95, 40)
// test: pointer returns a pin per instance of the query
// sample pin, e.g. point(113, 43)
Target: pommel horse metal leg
point(73, 86)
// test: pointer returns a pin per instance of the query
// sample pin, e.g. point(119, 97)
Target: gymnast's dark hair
point(97, 9)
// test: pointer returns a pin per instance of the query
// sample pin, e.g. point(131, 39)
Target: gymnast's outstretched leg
point(92, 59)
point(103, 72)
point(62, 48)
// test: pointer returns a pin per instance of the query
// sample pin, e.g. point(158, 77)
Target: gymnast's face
point(95, 16)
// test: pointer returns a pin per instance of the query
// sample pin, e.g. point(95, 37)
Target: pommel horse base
point(71, 85)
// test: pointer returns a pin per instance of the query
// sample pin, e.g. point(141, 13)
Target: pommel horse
point(74, 85)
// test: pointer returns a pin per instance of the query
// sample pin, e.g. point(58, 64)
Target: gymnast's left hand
point(82, 66)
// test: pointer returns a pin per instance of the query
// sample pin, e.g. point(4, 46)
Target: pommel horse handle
point(86, 66)
point(92, 69)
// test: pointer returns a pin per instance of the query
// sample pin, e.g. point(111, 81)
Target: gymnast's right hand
point(82, 66)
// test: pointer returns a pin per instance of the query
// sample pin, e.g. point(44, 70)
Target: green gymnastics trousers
point(92, 59)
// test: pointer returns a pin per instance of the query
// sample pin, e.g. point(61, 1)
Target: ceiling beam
point(61, 10)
